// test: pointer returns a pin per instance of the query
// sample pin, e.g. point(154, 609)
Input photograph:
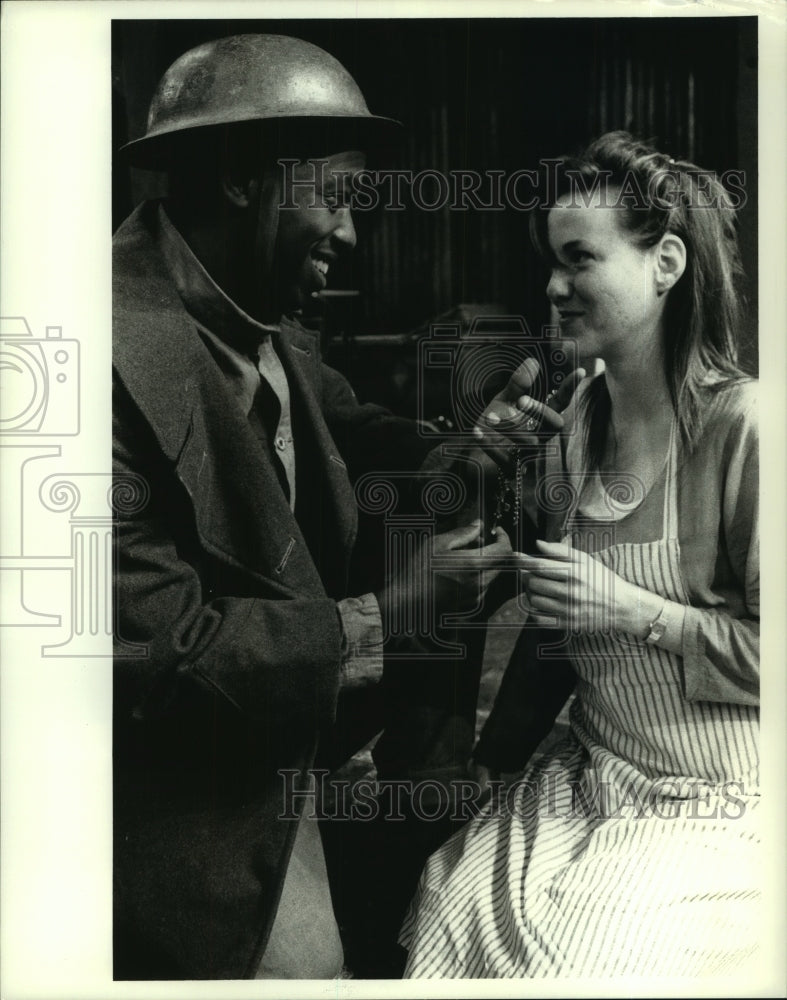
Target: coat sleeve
point(369, 436)
point(254, 652)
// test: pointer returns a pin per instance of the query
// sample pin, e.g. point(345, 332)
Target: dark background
point(482, 94)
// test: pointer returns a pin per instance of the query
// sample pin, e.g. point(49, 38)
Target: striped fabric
point(632, 849)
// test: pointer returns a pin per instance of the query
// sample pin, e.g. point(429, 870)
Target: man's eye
point(580, 256)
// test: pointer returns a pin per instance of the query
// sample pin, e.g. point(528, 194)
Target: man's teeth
point(321, 265)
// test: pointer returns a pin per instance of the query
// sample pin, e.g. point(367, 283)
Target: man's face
point(312, 235)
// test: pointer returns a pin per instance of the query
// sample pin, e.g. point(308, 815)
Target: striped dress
point(632, 849)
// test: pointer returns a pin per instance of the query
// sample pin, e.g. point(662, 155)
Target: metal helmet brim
point(272, 79)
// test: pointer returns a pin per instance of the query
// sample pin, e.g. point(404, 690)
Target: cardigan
point(718, 529)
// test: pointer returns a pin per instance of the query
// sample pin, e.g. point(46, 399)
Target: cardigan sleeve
point(721, 645)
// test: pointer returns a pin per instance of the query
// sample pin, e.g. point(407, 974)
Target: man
point(236, 631)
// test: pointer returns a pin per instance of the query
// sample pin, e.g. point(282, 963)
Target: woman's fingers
point(547, 420)
point(515, 418)
point(547, 605)
point(546, 569)
point(521, 423)
point(545, 621)
point(522, 379)
point(545, 587)
point(563, 395)
point(560, 551)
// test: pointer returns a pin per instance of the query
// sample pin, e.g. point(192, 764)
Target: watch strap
point(658, 626)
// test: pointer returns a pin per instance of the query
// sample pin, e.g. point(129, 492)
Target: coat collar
point(170, 374)
point(154, 350)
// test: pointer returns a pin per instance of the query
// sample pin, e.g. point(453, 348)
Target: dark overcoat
point(228, 638)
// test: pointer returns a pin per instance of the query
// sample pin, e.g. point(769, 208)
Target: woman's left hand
point(571, 590)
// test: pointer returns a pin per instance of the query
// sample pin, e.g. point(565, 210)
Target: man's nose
point(344, 230)
point(558, 286)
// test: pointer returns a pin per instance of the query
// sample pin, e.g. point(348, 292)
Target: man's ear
point(670, 261)
point(237, 191)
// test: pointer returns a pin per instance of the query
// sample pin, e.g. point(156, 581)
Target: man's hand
point(485, 777)
point(461, 574)
point(448, 574)
point(514, 418)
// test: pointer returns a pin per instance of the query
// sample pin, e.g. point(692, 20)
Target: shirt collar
point(203, 299)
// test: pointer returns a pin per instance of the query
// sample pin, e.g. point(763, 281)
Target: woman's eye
point(580, 256)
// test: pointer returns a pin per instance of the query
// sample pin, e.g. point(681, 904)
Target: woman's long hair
point(659, 195)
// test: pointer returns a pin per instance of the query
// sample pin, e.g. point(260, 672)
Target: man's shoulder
point(145, 301)
point(134, 236)
point(156, 353)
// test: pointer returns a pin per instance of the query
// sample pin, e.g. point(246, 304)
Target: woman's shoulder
point(731, 407)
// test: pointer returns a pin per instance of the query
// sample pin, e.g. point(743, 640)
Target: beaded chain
point(509, 491)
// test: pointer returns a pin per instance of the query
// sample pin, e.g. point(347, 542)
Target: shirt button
point(281, 444)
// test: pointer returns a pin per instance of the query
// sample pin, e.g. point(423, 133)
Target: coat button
point(281, 444)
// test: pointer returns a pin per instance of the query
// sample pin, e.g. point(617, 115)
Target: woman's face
point(603, 286)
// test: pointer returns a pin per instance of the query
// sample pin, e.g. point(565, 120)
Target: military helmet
point(247, 78)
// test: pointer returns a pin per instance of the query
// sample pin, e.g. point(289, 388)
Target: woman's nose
point(558, 286)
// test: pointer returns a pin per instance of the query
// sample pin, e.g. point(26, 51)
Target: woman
point(631, 848)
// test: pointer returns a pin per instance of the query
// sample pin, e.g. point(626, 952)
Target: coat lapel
point(300, 356)
point(240, 510)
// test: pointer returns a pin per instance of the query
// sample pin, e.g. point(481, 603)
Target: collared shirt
point(244, 351)
point(241, 346)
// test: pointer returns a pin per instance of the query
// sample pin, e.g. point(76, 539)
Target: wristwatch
point(658, 626)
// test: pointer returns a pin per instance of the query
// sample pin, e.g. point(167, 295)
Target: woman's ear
point(670, 261)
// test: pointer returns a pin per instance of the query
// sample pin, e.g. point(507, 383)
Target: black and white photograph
point(382, 531)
